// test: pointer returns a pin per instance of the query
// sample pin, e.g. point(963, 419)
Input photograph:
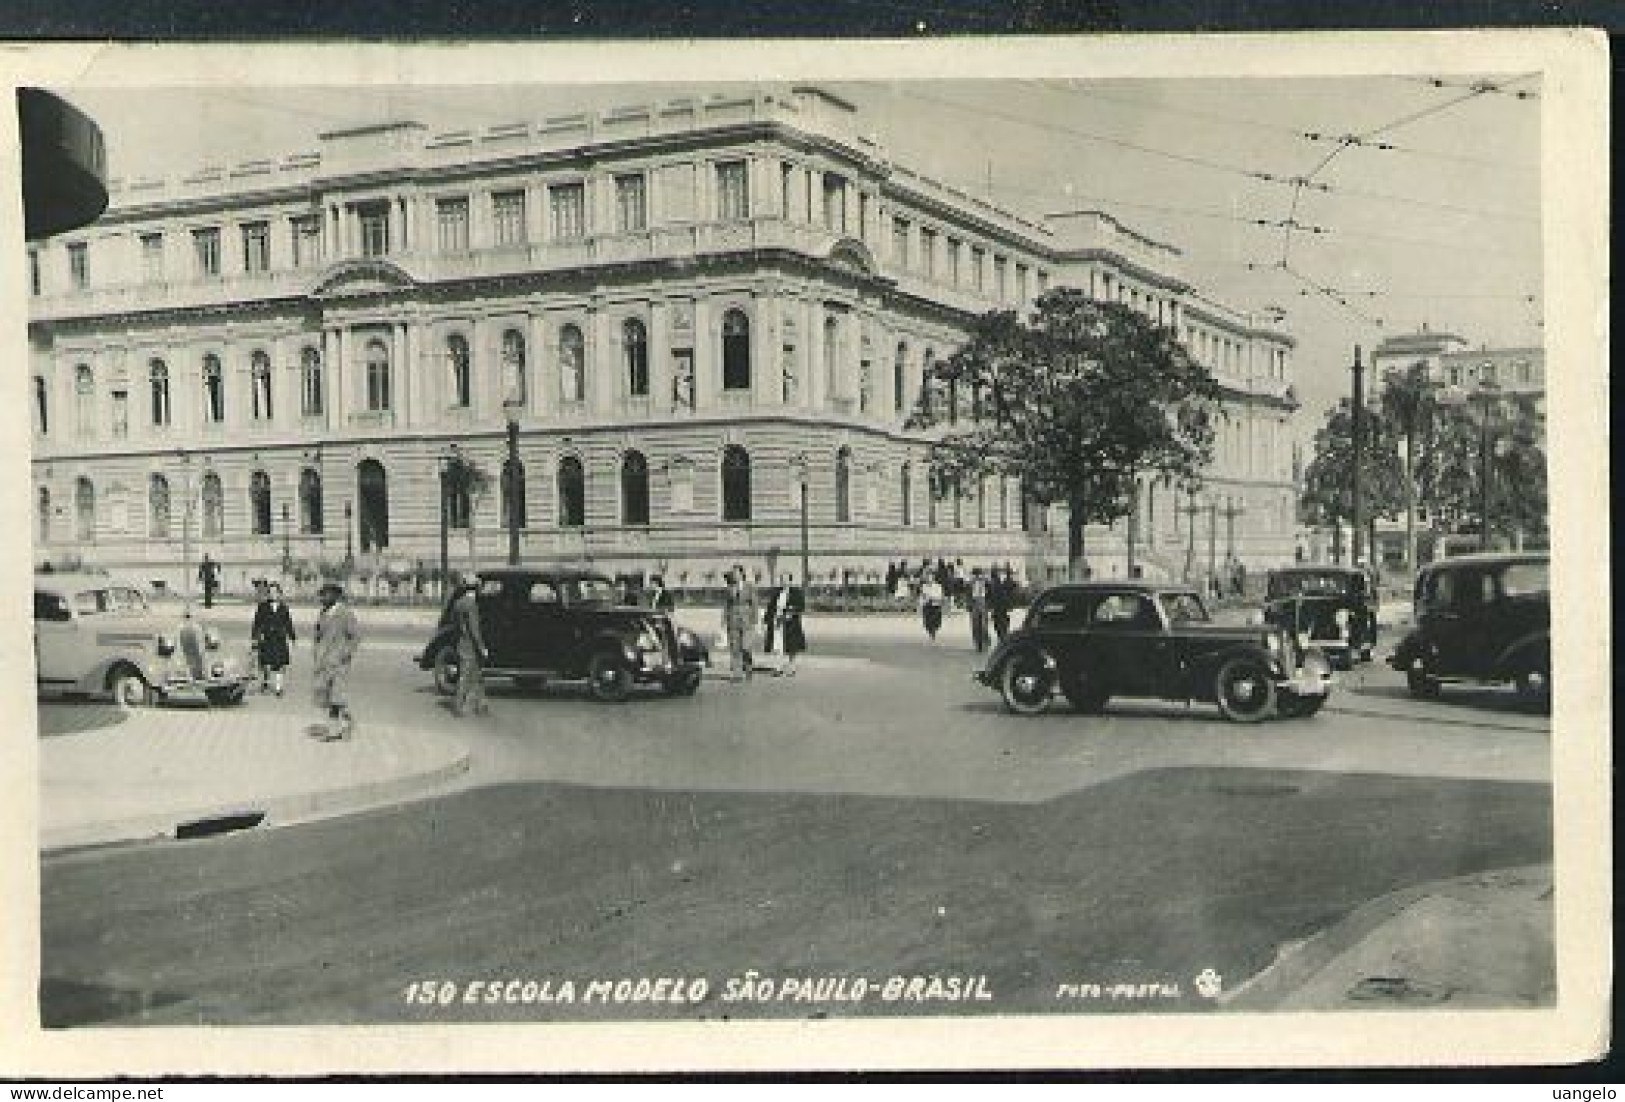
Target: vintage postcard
point(1066, 553)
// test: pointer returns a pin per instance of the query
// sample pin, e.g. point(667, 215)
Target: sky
point(1442, 228)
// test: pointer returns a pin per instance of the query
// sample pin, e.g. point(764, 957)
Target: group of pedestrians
point(780, 622)
point(986, 596)
point(337, 639)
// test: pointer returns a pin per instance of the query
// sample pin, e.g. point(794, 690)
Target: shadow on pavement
point(1476, 697)
point(76, 719)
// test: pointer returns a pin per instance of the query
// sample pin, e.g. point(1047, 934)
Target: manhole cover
point(1397, 989)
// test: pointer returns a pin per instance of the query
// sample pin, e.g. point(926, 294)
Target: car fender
point(1537, 645)
point(1407, 651)
point(1021, 645)
point(609, 642)
point(1204, 667)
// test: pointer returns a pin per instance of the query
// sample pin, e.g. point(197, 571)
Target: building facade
point(691, 309)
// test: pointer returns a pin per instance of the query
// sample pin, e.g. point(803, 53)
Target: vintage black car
point(544, 625)
point(1094, 641)
point(1333, 608)
point(1484, 618)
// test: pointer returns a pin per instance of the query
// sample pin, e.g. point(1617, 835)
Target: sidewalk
point(163, 772)
point(1477, 941)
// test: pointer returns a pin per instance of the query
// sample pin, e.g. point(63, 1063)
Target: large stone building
point(687, 306)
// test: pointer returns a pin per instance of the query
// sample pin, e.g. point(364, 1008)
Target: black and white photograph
point(982, 554)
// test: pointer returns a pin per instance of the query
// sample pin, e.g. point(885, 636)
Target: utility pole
point(1359, 438)
point(512, 486)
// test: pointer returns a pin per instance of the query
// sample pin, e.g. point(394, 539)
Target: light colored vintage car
point(97, 635)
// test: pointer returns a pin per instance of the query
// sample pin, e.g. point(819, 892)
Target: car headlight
point(166, 646)
point(687, 639)
point(647, 641)
point(211, 639)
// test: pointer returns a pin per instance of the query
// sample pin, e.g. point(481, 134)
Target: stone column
point(706, 376)
point(539, 374)
point(601, 366)
point(765, 350)
point(814, 388)
point(406, 392)
point(660, 346)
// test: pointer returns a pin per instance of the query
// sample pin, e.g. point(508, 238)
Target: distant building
point(688, 307)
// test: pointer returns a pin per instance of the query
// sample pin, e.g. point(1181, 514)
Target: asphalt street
point(878, 816)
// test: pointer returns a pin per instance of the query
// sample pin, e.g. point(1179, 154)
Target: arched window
point(84, 397)
point(459, 370)
point(259, 503)
point(513, 494)
point(42, 406)
point(899, 384)
point(259, 374)
point(158, 382)
point(572, 364)
point(310, 383)
point(906, 492)
point(572, 493)
point(634, 488)
point(981, 503)
point(735, 483)
point(214, 507)
point(635, 350)
point(84, 511)
point(866, 384)
point(214, 390)
point(735, 351)
point(515, 386)
point(310, 501)
point(158, 507)
point(843, 485)
point(953, 401)
point(376, 358)
point(459, 494)
point(44, 515)
point(928, 364)
point(372, 490)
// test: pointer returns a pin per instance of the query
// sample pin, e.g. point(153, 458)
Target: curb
point(1298, 963)
point(273, 811)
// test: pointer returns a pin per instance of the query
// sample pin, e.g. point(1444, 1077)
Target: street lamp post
point(1232, 510)
point(349, 544)
point(1487, 395)
point(186, 527)
point(510, 481)
point(1191, 511)
point(443, 464)
point(1212, 538)
point(800, 462)
point(1358, 431)
point(1133, 522)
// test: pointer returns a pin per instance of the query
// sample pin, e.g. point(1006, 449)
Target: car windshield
point(1183, 608)
point(594, 591)
point(1314, 584)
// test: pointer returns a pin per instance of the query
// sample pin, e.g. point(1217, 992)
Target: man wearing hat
point(338, 637)
point(471, 651)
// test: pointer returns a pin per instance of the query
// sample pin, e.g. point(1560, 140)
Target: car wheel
point(610, 678)
point(1028, 682)
point(1422, 685)
point(1084, 696)
point(1534, 683)
point(1293, 706)
point(445, 671)
point(683, 684)
point(129, 688)
point(1244, 690)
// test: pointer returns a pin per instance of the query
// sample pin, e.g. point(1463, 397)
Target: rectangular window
point(452, 217)
point(899, 242)
point(152, 257)
point(1000, 277)
point(978, 268)
point(1043, 281)
point(954, 249)
point(784, 189)
point(508, 217)
point(206, 247)
point(121, 414)
point(374, 229)
point(567, 205)
point(307, 240)
point(79, 265)
point(33, 273)
point(835, 202)
point(257, 247)
point(733, 191)
point(631, 204)
point(1021, 282)
point(928, 253)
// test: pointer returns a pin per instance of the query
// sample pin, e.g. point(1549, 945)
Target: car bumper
point(197, 689)
point(657, 668)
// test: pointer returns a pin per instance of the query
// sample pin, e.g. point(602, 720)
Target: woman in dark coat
point(273, 631)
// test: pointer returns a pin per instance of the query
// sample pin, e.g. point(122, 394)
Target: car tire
point(1293, 706)
point(1422, 685)
point(129, 688)
point(445, 671)
point(1084, 697)
point(1027, 682)
point(683, 684)
point(1534, 683)
point(609, 678)
point(1244, 690)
